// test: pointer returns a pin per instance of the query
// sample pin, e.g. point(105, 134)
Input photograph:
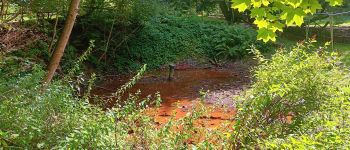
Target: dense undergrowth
point(299, 99)
point(136, 33)
point(156, 41)
point(165, 38)
point(56, 118)
point(169, 38)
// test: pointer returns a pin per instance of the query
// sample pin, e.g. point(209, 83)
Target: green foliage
point(37, 53)
point(119, 11)
point(168, 38)
point(271, 16)
point(76, 67)
point(111, 24)
point(31, 118)
point(326, 128)
point(45, 6)
point(300, 99)
point(193, 6)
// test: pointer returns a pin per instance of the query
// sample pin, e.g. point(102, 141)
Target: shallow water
point(182, 93)
point(185, 85)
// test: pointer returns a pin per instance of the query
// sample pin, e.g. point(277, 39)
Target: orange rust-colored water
point(175, 108)
point(182, 93)
point(186, 83)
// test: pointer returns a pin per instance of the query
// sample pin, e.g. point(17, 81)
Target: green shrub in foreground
point(299, 99)
point(30, 118)
point(56, 119)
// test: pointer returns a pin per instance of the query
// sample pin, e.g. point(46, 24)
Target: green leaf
point(294, 3)
point(293, 16)
point(266, 35)
point(256, 3)
point(276, 26)
point(258, 12)
point(265, 2)
point(261, 23)
point(314, 6)
point(241, 5)
point(298, 19)
point(335, 2)
point(269, 14)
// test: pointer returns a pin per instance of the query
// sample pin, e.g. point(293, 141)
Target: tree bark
point(2, 9)
point(54, 34)
point(4, 6)
point(231, 15)
point(62, 42)
point(226, 11)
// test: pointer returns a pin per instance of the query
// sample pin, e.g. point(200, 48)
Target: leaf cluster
point(273, 15)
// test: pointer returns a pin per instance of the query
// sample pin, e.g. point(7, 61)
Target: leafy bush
point(55, 118)
point(32, 118)
point(300, 99)
point(158, 38)
point(168, 38)
point(111, 24)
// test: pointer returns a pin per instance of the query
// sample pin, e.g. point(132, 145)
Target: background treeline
point(122, 30)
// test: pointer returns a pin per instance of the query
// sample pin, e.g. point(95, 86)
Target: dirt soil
point(14, 37)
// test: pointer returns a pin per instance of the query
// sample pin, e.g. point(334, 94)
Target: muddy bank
point(179, 108)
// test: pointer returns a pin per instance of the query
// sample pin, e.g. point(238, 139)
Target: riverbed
point(220, 84)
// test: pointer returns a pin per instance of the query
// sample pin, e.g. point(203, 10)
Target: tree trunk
point(54, 33)
point(2, 9)
point(226, 11)
point(231, 15)
point(62, 42)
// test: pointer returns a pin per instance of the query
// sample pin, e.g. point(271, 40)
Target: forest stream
point(183, 92)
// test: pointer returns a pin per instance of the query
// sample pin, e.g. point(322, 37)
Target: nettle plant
point(273, 15)
point(290, 89)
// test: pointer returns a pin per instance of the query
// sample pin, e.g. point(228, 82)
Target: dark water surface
point(185, 85)
point(181, 94)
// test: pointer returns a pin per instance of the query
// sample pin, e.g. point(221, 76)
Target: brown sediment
point(177, 109)
point(182, 93)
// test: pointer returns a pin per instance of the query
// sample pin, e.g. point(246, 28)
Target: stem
point(62, 42)
point(54, 34)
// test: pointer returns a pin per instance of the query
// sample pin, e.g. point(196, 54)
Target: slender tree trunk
point(54, 34)
point(2, 9)
point(226, 11)
point(62, 42)
point(6, 7)
point(22, 14)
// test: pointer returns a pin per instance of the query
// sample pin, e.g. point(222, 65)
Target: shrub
point(31, 118)
point(169, 38)
point(111, 24)
point(300, 97)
